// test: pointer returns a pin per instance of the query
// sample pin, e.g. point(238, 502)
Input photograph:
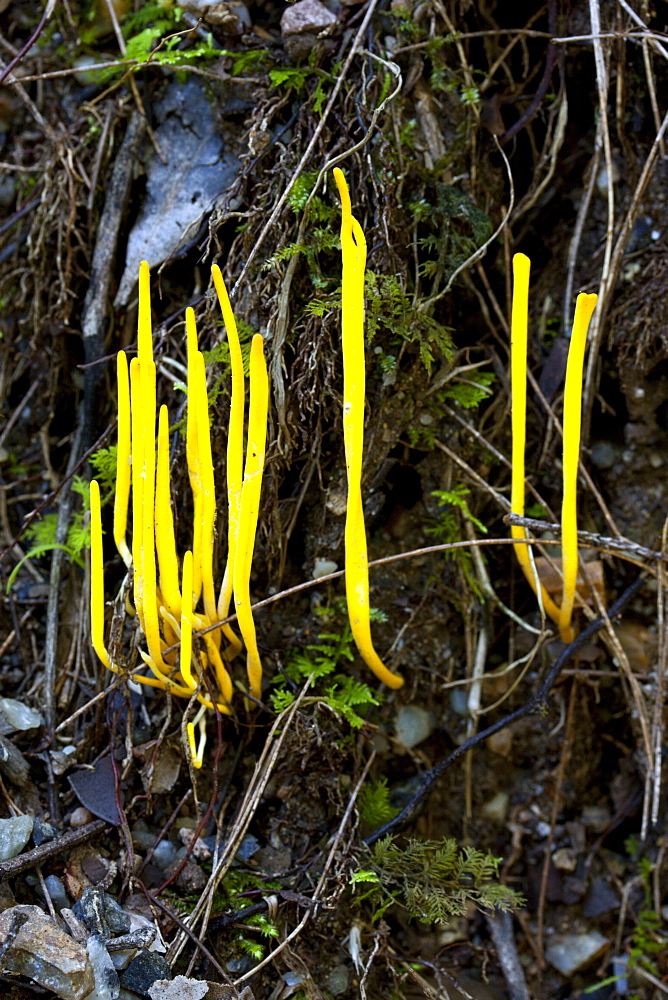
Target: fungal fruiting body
point(166, 601)
point(584, 309)
point(353, 251)
point(249, 509)
point(572, 412)
point(235, 454)
point(518, 395)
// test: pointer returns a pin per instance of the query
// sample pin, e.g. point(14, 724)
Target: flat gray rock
point(180, 192)
point(14, 835)
point(43, 952)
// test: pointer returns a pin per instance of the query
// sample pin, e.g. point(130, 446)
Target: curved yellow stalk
point(353, 250)
point(161, 679)
point(150, 624)
point(97, 593)
point(197, 755)
point(235, 453)
point(222, 676)
point(187, 622)
point(518, 382)
point(137, 423)
point(250, 506)
point(208, 490)
point(164, 522)
point(123, 470)
point(584, 309)
point(192, 454)
point(97, 579)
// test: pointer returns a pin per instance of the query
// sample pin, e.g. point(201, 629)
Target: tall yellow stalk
point(584, 309)
point(249, 510)
point(518, 383)
point(235, 455)
point(353, 250)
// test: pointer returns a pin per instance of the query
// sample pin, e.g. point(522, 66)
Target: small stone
point(116, 919)
point(573, 952)
point(619, 965)
point(89, 909)
point(303, 24)
point(56, 891)
point(80, 816)
point(101, 914)
point(602, 898)
point(164, 855)
point(121, 959)
point(496, 809)
point(17, 717)
point(200, 849)
point(141, 837)
point(8, 189)
point(338, 980)
point(413, 725)
point(501, 743)
point(323, 567)
point(180, 988)
point(42, 832)
point(459, 702)
point(14, 835)
point(45, 953)
point(191, 878)
point(107, 985)
point(564, 859)
point(250, 845)
point(232, 17)
point(143, 971)
point(604, 454)
point(306, 17)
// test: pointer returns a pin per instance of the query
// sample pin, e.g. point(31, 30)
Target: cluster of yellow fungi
point(584, 309)
point(169, 608)
point(165, 607)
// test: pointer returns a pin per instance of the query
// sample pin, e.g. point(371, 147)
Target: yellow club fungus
point(123, 470)
point(197, 753)
point(572, 418)
point(97, 578)
point(192, 454)
point(165, 607)
point(187, 621)
point(518, 394)
point(137, 491)
point(97, 592)
point(353, 250)
point(235, 454)
point(249, 510)
point(584, 309)
point(208, 489)
point(164, 523)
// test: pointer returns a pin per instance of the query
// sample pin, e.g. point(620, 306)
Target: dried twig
point(73, 838)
